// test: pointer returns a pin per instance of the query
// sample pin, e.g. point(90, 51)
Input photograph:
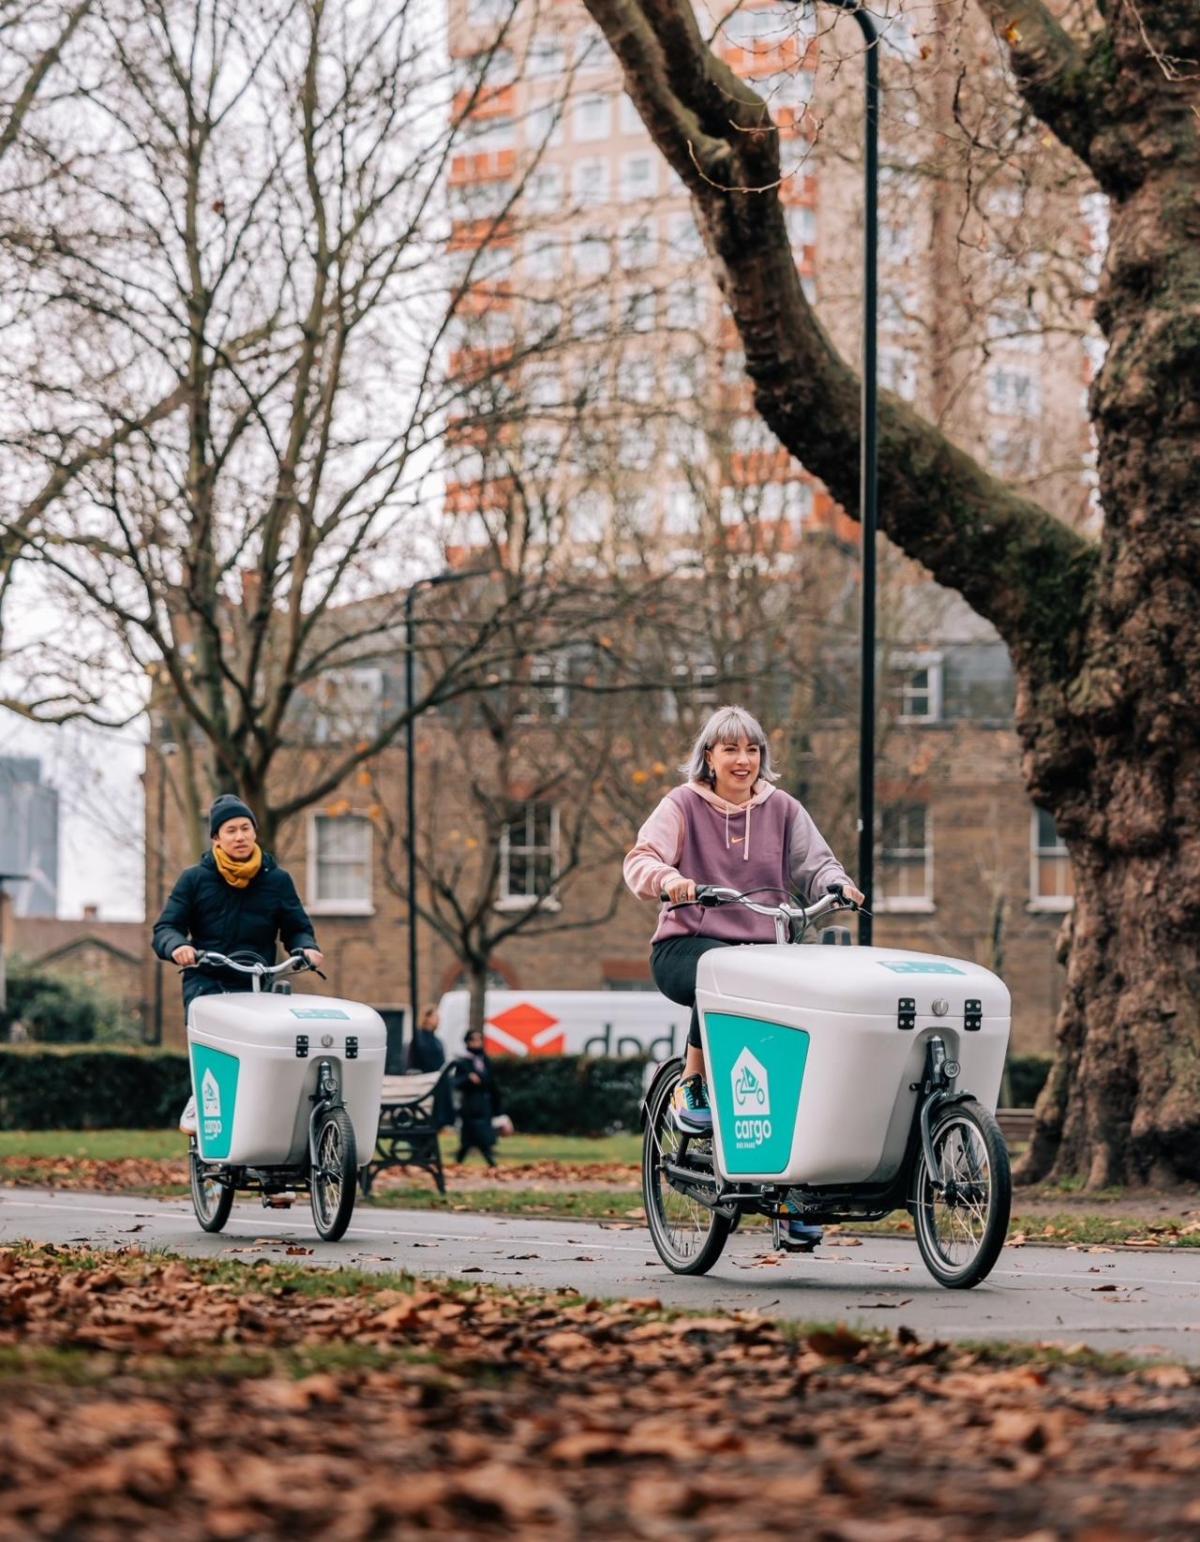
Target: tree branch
point(1013, 562)
point(1055, 74)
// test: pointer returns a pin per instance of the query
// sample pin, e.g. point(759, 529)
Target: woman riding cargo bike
point(727, 825)
point(821, 1083)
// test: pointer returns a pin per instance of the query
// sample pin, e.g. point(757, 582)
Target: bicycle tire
point(979, 1219)
point(709, 1231)
point(212, 1211)
point(333, 1182)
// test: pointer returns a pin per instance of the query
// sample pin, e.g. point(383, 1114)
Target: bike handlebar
point(710, 896)
point(295, 963)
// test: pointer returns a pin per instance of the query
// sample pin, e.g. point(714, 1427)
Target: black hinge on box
point(906, 1013)
point(972, 1016)
point(351, 1047)
point(301, 1046)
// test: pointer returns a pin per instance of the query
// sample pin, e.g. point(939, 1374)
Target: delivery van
point(570, 1023)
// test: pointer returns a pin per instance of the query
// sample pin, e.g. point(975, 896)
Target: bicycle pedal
point(278, 1201)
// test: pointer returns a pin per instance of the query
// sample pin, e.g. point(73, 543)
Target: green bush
point(57, 1009)
point(91, 1089)
point(570, 1094)
point(1026, 1077)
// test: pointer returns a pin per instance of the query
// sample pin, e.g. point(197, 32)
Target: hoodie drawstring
point(746, 842)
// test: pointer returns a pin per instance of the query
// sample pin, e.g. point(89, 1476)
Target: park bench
point(408, 1134)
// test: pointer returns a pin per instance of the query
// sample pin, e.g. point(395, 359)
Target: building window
point(686, 306)
point(906, 858)
point(543, 125)
point(528, 855)
point(347, 704)
point(640, 310)
point(547, 58)
point(1051, 883)
point(593, 117)
point(801, 224)
point(898, 372)
point(639, 177)
point(544, 190)
point(589, 180)
point(920, 688)
point(637, 246)
point(1014, 392)
point(488, 13)
point(593, 254)
point(339, 865)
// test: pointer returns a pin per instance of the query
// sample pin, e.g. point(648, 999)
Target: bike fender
point(667, 1068)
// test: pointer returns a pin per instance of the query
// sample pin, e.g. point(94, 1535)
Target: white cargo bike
point(287, 1094)
point(838, 1079)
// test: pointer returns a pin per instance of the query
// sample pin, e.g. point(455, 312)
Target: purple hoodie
point(770, 844)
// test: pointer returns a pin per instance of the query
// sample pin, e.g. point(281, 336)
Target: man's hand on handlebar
point(185, 957)
point(314, 956)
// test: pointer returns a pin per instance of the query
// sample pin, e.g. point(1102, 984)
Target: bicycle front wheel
point(334, 1176)
point(687, 1235)
point(962, 1222)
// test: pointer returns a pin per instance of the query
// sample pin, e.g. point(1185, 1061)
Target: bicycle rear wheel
point(687, 1235)
point(961, 1226)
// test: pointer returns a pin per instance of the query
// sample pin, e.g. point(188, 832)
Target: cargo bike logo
point(751, 1085)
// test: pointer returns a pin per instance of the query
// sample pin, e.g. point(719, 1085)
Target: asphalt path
point(1145, 1304)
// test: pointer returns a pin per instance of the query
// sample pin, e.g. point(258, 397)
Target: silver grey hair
point(726, 726)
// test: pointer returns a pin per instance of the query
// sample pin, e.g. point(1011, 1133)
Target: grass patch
point(113, 1145)
point(91, 1368)
point(570, 1205)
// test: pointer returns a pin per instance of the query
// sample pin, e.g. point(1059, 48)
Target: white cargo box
point(252, 1085)
point(811, 1052)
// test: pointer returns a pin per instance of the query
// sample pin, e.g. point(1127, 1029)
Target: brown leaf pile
point(143, 1398)
point(151, 1174)
point(97, 1175)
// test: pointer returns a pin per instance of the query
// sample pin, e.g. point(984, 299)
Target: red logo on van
point(524, 1030)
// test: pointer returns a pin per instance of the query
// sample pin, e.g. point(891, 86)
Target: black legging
point(673, 963)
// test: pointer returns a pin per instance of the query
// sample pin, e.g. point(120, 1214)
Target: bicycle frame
point(827, 1206)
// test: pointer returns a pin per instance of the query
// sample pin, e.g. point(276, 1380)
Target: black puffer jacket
point(206, 912)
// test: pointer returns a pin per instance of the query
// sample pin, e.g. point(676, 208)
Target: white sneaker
point(187, 1119)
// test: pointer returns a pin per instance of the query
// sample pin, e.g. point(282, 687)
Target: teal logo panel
point(913, 968)
point(215, 1078)
point(320, 1012)
point(756, 1070)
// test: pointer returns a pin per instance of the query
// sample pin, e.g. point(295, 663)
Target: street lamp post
point(435, 581)
point(869, 461)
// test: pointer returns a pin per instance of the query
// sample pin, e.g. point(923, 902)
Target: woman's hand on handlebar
point(185, 957)
point(681, 892)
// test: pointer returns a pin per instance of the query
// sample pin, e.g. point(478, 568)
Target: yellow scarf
point(238, 874)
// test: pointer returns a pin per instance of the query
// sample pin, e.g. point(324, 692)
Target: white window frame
point(647, 189)
point(1050, 903)
point(318, 906)
point(910, 904)
point(906, 665)
point(629, 119)
point(592, 118)
point(591, 180)
point(509, 901)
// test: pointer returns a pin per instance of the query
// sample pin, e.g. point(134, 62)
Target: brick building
point(965, 865)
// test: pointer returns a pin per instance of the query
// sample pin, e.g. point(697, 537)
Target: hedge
point(571, 1094)
point(91, 1089)
point(72, 1088)
point(1026, 1077)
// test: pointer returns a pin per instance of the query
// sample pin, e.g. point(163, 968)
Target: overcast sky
point(101, 827)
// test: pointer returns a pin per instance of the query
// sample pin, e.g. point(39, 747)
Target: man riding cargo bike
point(288, 1087)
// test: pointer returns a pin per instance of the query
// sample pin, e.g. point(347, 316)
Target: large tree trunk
point(1102, 635)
